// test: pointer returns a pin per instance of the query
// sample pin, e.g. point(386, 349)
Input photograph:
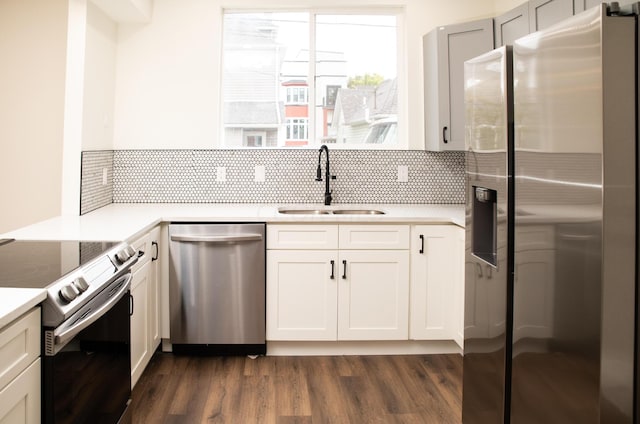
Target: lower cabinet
point(20, 370)
point(437, 283)
point(330, 293)
point(145, 291)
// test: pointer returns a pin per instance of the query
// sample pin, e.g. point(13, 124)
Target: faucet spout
point(327, 177)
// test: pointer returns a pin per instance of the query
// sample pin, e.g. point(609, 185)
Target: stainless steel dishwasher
point(217, 288)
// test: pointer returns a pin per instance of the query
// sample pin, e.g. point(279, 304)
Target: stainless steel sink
point(330, 211)
point(358, 212)
point(304, 211)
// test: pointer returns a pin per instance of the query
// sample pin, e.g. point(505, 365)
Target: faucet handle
point(333, 177)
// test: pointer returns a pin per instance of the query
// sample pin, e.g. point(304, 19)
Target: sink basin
point(330, 211)
point(304, 211)
point(358, 212)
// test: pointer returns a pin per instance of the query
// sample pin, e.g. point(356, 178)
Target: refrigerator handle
point(444, 135)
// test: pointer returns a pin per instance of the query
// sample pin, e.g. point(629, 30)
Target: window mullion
point(311, 91)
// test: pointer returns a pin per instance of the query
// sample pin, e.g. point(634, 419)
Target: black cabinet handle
point(444, 135)
point(344, 270)
point(333, 265)
point(155, 257)
point(421, 244)
point(130, 305)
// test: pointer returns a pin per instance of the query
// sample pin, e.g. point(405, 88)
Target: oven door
point(87, 365)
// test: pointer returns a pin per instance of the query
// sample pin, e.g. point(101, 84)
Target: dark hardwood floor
point(286, 390)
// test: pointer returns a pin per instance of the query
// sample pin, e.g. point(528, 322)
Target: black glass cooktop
point(36, 264)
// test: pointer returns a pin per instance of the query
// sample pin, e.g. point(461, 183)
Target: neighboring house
point(356, 109)
point(253, 110)
point(330, 76)
point(266, 91)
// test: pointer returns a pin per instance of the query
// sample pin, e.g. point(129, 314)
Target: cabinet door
point(373, 295)
point(154, 290)
point(512, 25)
point(436, 268)
point(302, 294)
point(582, 5)
point(20, 399)
point(140, 322)
point(445, 51)
point(544, 13)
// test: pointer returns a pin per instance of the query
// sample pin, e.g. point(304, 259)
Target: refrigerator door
point(573, 299)
point(489, 127)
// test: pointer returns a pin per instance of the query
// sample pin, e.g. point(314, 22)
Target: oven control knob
point(68, 293)
point(122, 256)
point(131, 251)
point(81, 284)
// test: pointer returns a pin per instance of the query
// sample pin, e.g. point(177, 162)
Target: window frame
point(399, 11)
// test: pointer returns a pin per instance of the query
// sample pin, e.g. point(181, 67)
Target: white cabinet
point(445, 49)
point(20, 370)
point(145, 320)
point(337, 282)
point(302, 293)
point(437, 282)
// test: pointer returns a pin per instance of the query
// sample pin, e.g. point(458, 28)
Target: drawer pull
point(344, 270)
point(333, 265)
point(421, 244)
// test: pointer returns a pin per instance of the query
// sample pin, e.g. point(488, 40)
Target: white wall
point(99, 80)
point(168, 71)
point(32, 87)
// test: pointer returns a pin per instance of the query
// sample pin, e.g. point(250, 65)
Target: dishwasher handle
point(230, 238)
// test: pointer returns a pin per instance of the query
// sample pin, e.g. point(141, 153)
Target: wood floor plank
point(403, 389)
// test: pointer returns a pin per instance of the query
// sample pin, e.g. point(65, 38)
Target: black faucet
point(328, 176)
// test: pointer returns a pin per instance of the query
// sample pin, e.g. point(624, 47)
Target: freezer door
point(489, 123)
point(573, 300)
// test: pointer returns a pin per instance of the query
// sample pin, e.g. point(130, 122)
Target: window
point(297, 129)
point(308, 78)
point(296, 95)
point(255, 139)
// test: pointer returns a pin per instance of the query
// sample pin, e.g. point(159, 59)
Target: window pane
point(356, 82)
point(263, 53)
point(266, 82)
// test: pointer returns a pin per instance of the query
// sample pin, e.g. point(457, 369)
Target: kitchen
point(143, 105)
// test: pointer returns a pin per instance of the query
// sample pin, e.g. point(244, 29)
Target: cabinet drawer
point(374, 237)
point(302, 236)
point(19, 345)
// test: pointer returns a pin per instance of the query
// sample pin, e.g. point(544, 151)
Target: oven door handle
point(91, 316)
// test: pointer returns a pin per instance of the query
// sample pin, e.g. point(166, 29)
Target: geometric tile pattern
point(189, 176)
point(93, 193)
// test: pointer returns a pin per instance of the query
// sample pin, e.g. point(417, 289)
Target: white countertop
point(15, 302)
point(117, 222)
point(127, 221)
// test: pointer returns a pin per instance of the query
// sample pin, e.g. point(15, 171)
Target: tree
point(366, 80)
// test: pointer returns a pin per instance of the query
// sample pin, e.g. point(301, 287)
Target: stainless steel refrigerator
point(550, 285)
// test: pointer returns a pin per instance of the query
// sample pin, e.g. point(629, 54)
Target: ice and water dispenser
point(484, 224)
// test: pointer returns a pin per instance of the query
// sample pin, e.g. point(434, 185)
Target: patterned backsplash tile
point(95, 191)
point(190, 176)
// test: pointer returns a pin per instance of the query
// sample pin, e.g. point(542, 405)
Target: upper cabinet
point(446, 48)
point(535, 15)
point(511, 25)
point(544, 13)
point(582, 5)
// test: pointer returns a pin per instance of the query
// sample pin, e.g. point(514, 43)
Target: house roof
point(252, 113)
